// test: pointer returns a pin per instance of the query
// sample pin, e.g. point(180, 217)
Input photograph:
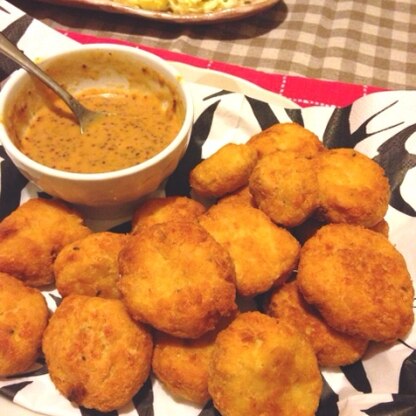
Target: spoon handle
point(12, 52)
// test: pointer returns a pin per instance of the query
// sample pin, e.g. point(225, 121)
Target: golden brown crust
point(89, 266)
point(263, 253)
point(240, 196)
point(284, 186)
point(23, 318)
point(286, 137)
point(223, 172)
point(171, 208)
point(352, 188)
point(309, 227)
point(182, 365)
point(381, 227)
point(32, 236)
point(96, 355)
point(177, 278)
point(358, 281)
point(263, 367)
point(332, 348)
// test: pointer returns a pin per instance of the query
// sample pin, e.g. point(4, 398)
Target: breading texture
point(33, 235)
point(170, 208)
point(309, 227)
point(240, 196)
point(89, 266)
point(284, 185)
point(352, 188)
point(97, 356)
point(177, 278)
point(381, 227)
point(181, 365)
point(332, 348)
point(264, 254)
point(224, 171)
point(23, 318)
point(261, 366)
point(286, 137)
point(358, 281)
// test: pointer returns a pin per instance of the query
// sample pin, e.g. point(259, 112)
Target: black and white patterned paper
point(382, 125)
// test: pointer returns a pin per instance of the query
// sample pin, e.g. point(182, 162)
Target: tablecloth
point(302, 90)
point(380, 125)
point(355, 41)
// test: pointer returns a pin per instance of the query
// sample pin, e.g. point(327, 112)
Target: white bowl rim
point(149, 57)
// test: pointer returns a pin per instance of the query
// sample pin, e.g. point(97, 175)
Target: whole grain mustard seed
point(137, 127)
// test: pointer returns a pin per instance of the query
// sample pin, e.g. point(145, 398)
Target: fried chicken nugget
point(223, 172)
point(33, 235)
point(284, 185)
point(309, 227)
point(89, 266)
point(352, 188)
point(240, 196)
point(263, 253)
point(286, 137)
point(358, 281)
point(97, 356)
point(381, 227)
point(181, 365)
point(261, 366)
point(331, 347)
point(177, 278)
point(23, 318)
point(171, 208)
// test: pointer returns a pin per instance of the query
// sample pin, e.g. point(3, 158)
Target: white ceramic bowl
point(96, 190)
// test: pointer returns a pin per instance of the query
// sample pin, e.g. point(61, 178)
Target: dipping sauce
point(137, 126)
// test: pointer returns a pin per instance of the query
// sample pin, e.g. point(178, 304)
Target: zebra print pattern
point(381, 125)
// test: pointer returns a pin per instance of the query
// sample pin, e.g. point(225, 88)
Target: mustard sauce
point(137, 125)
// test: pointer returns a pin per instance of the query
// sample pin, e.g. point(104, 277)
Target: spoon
point(83, 115)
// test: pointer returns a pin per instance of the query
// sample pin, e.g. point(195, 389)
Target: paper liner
point(381, 125)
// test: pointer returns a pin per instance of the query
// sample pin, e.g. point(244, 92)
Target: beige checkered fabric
point(358, 41)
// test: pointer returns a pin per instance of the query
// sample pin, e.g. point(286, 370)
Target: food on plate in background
point(264, 366)
point(89, 266)
point(23, 319)
point(225, 171)
point(358, 281)
point(155, 5)
point(284, 185)
point(33, 235)
point(177, 278)
point(332, 348)
point(264, 254)
point(171, 208)
point(183, 6)
point(97, 356)
point(352, 188)
point(286, 137)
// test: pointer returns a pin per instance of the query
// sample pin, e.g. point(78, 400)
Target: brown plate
point(249, 8)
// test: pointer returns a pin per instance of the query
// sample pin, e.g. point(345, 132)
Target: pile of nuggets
point(279, 222)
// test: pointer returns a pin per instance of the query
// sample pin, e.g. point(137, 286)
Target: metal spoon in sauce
point(83, 115)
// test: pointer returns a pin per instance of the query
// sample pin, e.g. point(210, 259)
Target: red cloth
point(304, 91)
